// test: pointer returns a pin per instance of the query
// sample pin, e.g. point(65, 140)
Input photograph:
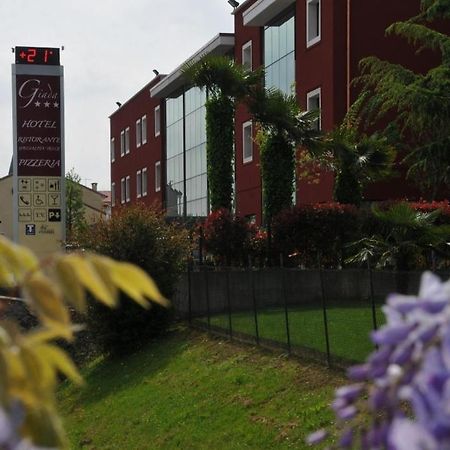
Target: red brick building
point(310, 47)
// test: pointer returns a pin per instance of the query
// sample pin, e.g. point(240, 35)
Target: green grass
point(348, 328)
point(191, 391)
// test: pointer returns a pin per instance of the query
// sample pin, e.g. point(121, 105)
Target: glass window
point(122, 190)
point(157, 121)
point(138, 184)
point(144, 181)
point(113, 150)
point(279, 54)
point(127, 140)
point(313, 103)
point(113, 194)
point(247, 140)
point(312, 22)
point(144, 129)
point(247, 56)
point(127, 189)
point(138, 133)
point(157, 176)
point(122, 143)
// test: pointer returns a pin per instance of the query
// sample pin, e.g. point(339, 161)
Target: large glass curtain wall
point(279, 54)
point(186, 154)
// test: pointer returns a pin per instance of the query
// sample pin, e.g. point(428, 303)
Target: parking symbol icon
point(54, 215)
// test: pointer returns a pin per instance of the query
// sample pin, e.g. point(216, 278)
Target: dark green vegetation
point(75, 221)
point(417, 104)
point(141, 236)
point(226, 84)
point(194, 392)
point(348, 328)
point(283, 127)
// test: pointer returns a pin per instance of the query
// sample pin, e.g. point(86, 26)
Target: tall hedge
point(219, 151)
point(277, 173)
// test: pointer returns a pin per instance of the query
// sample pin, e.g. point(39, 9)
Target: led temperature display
point(37, 55)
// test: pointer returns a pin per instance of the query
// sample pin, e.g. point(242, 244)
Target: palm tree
point(403, 235)
point(226, 83)
point(356, 159)
point(283, 127)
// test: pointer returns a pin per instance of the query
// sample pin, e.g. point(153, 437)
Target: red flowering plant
point(256, 244)
point(306, 231)
point(225, 237)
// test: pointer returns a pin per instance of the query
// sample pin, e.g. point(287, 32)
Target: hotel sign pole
point(38, 158)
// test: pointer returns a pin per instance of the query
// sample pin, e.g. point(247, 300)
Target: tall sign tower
point(38, 161)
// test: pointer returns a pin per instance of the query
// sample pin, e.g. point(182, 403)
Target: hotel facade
point(308, 47)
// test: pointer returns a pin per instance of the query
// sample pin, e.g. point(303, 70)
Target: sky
point(110, 50)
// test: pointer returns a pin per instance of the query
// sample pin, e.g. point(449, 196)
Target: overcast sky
point(111, 47)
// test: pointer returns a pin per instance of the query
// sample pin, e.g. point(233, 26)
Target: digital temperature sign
point(37, 55)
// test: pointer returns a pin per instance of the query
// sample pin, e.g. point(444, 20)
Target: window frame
point(144, 184)
point(138, 133)
point(127, 140)
point(248, 45)
point(139, 184)
point(317, 38)
point(113, 194)
point(310, 95)
point(144, 129)
point(112, 148)
point(157, 176)
point(127, 189)
point(122, 191)
point(245, 125)
point(122, 143)
point(157, 120)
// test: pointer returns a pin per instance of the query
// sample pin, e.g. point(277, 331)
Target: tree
point(75, 221)
point(403, 234)
point(283, 127)
point(31, 361)
point(226, 82)
point(417, 103)
point(356, 159)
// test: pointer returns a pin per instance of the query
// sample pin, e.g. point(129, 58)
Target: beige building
point(97, 205)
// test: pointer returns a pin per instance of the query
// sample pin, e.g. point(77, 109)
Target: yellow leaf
point(136, 284)
point(47, 301)
point(6, 275)
point(70, 285)
point(103, 266)
point(19, 260)
point(60, 361)
point(89, 278)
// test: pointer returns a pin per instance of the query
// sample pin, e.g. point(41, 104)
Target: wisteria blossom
point(404, 386)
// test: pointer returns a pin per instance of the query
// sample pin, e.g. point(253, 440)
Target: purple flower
point(316, 437)
point(412, 366)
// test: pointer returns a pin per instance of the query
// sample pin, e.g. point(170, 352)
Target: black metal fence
point(323, 314)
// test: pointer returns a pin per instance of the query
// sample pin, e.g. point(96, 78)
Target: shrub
point(304, 232)
point(138, 235)
point(226, 237)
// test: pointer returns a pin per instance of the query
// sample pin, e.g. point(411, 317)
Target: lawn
point(349, 326)
point(191, 391)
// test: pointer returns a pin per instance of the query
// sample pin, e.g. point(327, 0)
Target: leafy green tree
point(283, 127)
point(356, 159)
point(403, 235)
point(75, 220)
point(226, 82)
point(417, 103)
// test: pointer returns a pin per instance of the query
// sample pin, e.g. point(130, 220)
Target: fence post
point(208, 314)
point(255, 310)
point(372, 296)
point(189, 292)
point(286, 312)
point(229, 305)
point(324, 308)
